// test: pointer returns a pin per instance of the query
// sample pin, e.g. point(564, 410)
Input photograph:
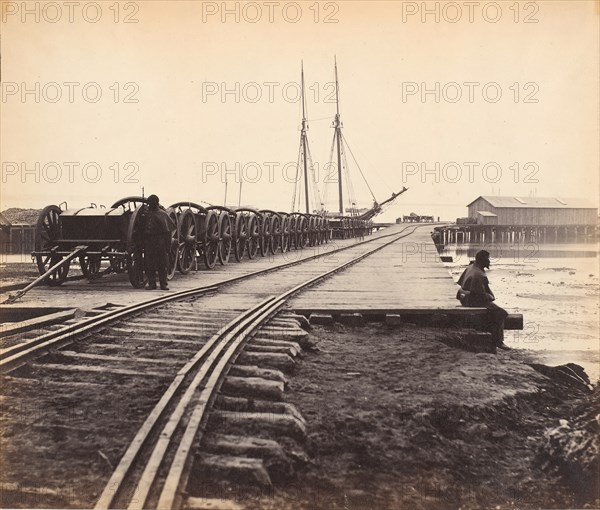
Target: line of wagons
point(110, 240)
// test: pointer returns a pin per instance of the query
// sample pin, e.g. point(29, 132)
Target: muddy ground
point(396, 419)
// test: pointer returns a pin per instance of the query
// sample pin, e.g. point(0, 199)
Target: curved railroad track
point(151, 349)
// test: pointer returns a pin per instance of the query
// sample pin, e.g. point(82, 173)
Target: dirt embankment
point(397, 419)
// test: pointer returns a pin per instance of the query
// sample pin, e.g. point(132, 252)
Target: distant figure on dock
point(475, 292)
point(157, 240)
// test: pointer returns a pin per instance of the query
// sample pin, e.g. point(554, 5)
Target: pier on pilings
point(482, 234)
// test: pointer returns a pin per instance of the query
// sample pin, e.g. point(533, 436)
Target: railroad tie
point(269, 342)
point(277, 360)
point(254, 387)
point(255, 371)
point(242, 404)
point(270, 452)
point(245, 423)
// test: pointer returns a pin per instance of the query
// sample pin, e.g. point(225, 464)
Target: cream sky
point(164, 109)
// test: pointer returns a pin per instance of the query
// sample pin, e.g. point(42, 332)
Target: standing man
point(475, 292)
point(157, 243)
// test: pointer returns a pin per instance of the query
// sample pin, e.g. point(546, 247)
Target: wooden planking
point(117, 289)
point(407, 275)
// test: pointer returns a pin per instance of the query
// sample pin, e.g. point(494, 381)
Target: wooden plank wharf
point(116, 289)
point(405, 277)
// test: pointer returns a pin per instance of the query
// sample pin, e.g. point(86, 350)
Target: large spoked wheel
point(135, 248)
point(293, 232)
point(129, 203)
point(253, 237)
point(211, 239)
point(118, 263)
point(173, 247)
point(91, 266)
point(226, 241)
point(58, 276)
point(265, 235)
point(285, 234)
point(320, 231)
point(240, 237)
point(312, 231)
point(275, 234)
point(47, 233)
point(304, 232)
point(187, 241)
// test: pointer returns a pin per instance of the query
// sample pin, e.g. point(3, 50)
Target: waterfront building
point(539, 211)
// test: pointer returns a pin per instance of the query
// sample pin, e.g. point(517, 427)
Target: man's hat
point(153, 200)
point(482, 255)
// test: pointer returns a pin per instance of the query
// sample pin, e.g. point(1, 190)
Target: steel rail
point(115, 485)
point(224, 347)
point(176, 479)
point(19, 354)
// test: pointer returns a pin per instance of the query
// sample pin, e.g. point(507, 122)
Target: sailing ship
point(345, 222)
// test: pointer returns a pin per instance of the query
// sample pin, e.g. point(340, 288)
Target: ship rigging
point(306, 176)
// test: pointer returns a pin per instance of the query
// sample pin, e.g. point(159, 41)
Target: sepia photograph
point(300, 255)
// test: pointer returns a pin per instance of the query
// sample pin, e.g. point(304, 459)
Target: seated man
point(475, 291)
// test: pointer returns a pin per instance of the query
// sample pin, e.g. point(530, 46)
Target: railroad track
point(129, 355)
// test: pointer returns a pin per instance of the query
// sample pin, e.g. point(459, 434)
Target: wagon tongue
point(78, 250)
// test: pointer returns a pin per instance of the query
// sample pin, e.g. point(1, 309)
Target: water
point(555, 287)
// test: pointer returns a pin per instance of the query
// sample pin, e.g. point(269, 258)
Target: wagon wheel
point(47, 233)
point(130, 203)
point(317, 231)
point(304, 232)
point(297, 232)
point(319, 235)
point(240, 236)
point(211, 239)
point(173, 248)
point(253, 236)
point(313, 231)
point(135, 247)
point(90, 266)
point(294, 240)
point(226, 239)
point(275, 234)
point(118, 263)
point(293, 233)
point(187, 241)
point(265, 235)
point(285, 233)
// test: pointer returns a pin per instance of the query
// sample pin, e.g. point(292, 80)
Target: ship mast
point(304, 143)
point(338, 140)
point(338, 137)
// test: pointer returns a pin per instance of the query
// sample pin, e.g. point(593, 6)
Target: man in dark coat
point(475, 292)
point(157, 243)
